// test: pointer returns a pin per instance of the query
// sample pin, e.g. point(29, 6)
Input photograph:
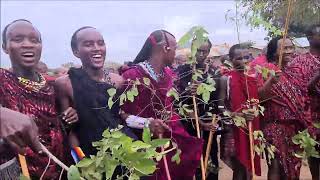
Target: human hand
point(70, 116)
point(157, 127)
point(19, 131)
point(208, 126)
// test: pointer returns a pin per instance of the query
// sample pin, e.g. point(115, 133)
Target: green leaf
point(167, 145)
point(145, 166)
point(117, 134)
point(176, 157)
point(186, 109)
point(110, 102)
point(73, 173)
point(146, 135)
point(130, 96)
point(85, 162)
point(134, 177)
point(136, 145)
point(135, 91)
point(123, 98)
point(112, 92)
point(110, 166)
point(146, 81)
point(317, 125)
point(206, 96)
point(173, 92)
point(106, 134)
point(185, 39)
point(159, 142)
point(227, 113)
point(239, 121)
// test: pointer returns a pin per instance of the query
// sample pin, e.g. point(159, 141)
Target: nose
point(26, 43)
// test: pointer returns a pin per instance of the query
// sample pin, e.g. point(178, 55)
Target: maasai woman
point(289, 111)
point(27, 91)
point(273, 131)
point(157, 53)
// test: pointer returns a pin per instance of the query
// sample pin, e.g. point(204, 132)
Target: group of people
point(73, 111)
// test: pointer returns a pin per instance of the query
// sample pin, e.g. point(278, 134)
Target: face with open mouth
point(23, 44)
point(91, 48)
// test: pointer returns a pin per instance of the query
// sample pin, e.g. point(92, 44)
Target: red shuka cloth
point(41, 105)
point(243, 88)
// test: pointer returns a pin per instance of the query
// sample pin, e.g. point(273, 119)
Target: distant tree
point(272, 15)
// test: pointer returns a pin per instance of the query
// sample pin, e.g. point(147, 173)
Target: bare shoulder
point(117, 79)
point(63, 84)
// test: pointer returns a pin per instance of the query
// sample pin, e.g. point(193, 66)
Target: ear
point(76, 53)
point(4, 47)
point(166, 49)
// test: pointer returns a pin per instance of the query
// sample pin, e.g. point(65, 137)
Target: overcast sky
point(125, 25)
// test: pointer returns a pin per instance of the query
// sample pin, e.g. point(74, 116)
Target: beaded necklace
point(151, 72)
point(33, 85)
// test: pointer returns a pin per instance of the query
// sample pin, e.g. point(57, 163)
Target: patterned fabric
point(290, 111)
point(147, 105)
point(41, 105)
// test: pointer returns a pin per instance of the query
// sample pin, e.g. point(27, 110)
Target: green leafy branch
point(262, 146)
point(307, 143)
point(115, 149)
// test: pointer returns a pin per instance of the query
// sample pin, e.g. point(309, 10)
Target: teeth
point(97, 56)
point(28, 54)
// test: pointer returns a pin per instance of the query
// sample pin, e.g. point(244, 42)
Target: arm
point(64, 100)
point(264, 92)
point(18, 131)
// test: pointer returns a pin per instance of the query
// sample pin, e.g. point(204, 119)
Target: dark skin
point(162, 55)
point(24, 48)
point(201, 58)
point(91, 50)
point(288, 50)
point(19, 131)
point(239, 61)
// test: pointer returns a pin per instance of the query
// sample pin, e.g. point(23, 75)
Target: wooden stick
point(195, 109)
point(251, 149)
point(209, 145)
point(165, 161)
point(286, 26)
point(55, 159)
point(23, 164)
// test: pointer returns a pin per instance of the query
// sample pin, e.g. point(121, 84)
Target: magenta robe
point(191, 147)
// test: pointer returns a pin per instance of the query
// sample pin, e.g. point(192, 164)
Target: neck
point(156, 63)
point(94, 74)
point(315, 51)
point(201, 64)
point(25, 73)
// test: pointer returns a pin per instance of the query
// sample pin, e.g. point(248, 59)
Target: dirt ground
point(226, 173)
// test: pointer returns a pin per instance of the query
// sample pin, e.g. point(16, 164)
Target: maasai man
point(85, 89)
point(187, 88)
point(235, 146)
point(28, 92)
point(157, 53)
